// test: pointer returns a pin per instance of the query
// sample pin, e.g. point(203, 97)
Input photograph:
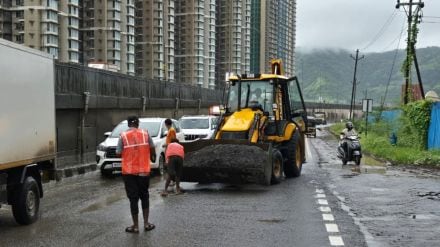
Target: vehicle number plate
point(116, 165)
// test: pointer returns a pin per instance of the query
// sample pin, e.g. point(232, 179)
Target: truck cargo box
point(27, 106)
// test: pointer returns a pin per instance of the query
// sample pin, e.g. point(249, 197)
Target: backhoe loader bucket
point(227, 161)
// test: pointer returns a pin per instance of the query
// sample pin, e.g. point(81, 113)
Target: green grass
point(379, 146)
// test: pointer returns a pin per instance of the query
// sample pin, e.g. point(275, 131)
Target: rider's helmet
point(349, 125)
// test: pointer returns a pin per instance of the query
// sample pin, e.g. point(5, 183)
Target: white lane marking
point(320, 196)
point(328, 217)
point(336, 241)
point(322, 202)
point(309, 152)
point(325, 209)
point(331, 228)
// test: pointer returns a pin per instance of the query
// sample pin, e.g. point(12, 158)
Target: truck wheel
point(26, 202)
point(293, 163)
point(277, 167)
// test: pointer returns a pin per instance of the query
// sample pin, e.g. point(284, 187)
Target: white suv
point(198, 127)
point(110, 163)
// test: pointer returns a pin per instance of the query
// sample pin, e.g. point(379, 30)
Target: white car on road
point(198, 127)
point(110, 163)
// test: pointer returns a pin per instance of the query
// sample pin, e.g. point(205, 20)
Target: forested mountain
point(329, 74)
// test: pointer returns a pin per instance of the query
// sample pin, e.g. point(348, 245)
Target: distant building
point(273, 30)
point(233, 40)
point(414, 92)
point(108, 33)
point(51, 26)
point(155, 32)
point(195, 42)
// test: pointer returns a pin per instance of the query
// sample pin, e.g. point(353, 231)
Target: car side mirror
point(107, 134)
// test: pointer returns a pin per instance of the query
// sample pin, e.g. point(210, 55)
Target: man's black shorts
point(136, 186)
point(175, 166)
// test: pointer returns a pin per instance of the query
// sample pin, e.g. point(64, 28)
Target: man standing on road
point(137, 149)
point(170, 135)
point(171, 131)
point(174, 158)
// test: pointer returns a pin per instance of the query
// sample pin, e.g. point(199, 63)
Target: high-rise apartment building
point(233, 25)
point(273, 28)
point(109, 34)
point(155, 39)
point(195, 42)
point(51, 26)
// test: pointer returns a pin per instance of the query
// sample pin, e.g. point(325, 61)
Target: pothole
point(432, 195)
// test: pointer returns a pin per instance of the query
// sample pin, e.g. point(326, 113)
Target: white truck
point(27, 128)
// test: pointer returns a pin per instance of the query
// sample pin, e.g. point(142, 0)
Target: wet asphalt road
point(378, 206)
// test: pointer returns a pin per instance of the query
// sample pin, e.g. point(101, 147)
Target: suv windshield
point(194, 123)
point(251, 93)
point(152, 127)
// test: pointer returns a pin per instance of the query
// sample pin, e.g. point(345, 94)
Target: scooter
point(354, 150)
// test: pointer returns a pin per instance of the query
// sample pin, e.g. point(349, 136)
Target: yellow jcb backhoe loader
point(259, 137)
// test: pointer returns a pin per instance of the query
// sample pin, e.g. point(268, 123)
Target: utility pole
point(353, 90)
point(410, 44)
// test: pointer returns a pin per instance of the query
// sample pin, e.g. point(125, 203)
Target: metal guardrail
point(77, 79)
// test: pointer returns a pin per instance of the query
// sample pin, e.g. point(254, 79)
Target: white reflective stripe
point(124, 135)
point(143, 135)
point(137, 145)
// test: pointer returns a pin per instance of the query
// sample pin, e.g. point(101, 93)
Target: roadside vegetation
point(411, 130)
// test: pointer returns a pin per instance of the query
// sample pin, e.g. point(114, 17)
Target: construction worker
point(137, 149)
point(174, 158)
point(170, 135)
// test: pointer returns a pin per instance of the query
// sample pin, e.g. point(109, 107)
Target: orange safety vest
point(136, 152)
point(174, 149)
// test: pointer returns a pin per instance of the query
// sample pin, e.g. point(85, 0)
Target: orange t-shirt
point(171, 135)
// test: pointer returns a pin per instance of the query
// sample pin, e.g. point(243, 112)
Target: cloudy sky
point(356, 24)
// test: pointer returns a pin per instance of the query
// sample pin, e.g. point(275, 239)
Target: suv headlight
point(101, 147)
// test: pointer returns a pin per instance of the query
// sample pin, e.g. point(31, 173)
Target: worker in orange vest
point(137, 149)
point(170, 135)
point(174, 158)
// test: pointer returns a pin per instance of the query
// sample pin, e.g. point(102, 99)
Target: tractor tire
point(26, 202)
point(294, 160)
point(277, 167)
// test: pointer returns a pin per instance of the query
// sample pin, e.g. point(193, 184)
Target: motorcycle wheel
point(357, 160)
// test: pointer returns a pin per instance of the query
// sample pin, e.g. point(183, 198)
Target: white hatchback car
point(110, 163)
point(198, 127)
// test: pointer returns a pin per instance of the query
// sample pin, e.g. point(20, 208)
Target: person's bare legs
point(167, 183)
point(135, 221)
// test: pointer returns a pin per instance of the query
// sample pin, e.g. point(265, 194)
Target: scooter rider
point(347, 132)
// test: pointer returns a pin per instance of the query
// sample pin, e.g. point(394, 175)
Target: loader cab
point(254, 94)
point(277, 96)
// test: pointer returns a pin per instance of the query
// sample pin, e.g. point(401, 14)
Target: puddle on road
point(103, 203)
point(429, 195)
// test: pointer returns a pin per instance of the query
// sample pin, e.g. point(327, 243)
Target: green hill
point(328, 74)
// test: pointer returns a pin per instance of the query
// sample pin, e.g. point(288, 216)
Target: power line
point(399, 36)
point(391, 71)
point(382, 30)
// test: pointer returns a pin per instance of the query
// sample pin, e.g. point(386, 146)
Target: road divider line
point(328, 217)
point(322, 202)
point(325, 209)
point(336, 241)
point(331, 228)
point(320, 196)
